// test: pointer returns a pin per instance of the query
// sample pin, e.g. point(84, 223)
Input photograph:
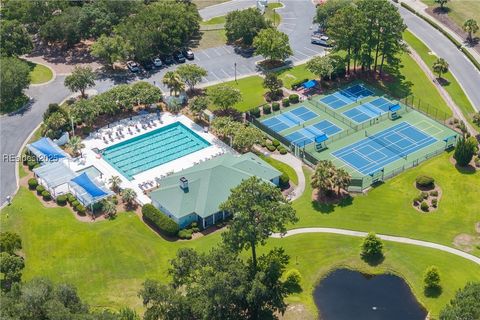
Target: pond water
point(345, 294)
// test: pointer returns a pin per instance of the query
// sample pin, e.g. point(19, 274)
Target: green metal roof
point(209, 183)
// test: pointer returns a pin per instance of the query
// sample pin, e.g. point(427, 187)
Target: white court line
point(346, 164)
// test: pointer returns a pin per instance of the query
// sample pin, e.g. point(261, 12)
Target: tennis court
point(373, 153)
point(308, 134)
point(346, 96)
point(368, 110)
point(289, 119)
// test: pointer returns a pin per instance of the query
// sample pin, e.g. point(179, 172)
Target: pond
point(345, 294)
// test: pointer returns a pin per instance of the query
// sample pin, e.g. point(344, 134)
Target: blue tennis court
point(371, 154)
point(347, 96)
point(368, 110)
point(307, 135)
point(289, 119)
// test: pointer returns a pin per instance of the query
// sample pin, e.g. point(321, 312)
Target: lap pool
point(153, 149)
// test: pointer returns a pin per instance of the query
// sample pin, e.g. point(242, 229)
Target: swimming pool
point(153, 149)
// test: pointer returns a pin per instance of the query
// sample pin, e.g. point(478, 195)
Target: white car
point(157, 62)
point(133, 66)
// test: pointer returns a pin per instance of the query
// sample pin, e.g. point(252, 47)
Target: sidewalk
point(421, 7)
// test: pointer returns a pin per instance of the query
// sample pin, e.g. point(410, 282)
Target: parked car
point(320, 39)
point(168, 60)
point(157, 62)
point(133, 66)
point(148, 65)
point(187, 53)
point(178, 56)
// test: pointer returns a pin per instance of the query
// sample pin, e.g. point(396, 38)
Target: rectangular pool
point(153, 149)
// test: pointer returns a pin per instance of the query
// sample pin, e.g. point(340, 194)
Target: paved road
point(220, 63)
point(383, 237)
point(460, 66)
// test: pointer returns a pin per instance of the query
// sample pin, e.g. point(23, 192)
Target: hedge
point(75, 203)
point(276, 143)
point(46, 195)
point(445, 33)
point(293, 98)
point(275, 106)
point(282, 150)
point(286, 102)
point(185, 234)
point(159, 220)
point(70, 198)
point(297, 83)
point(271, 147)
point(62, 200)
point(425, 181)
point(255, 112)
point(267, 109)
point(31, 164)
point(284, 180)
point(81, 209)
point(32, 183)
point(40, 189)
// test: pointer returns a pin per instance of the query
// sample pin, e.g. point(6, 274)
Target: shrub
point(434, 202)
point(31, 164)
point(255, 112)
point(37, 165)
point(431, 278)
point(185, 234)
point(267, 109)
point(282, 150)
point(293, 278)
point(284, 181)
point(32, 183)
point(193, 225)
point(372, 246)
point(276, 143)
point(434, 193)
point(195, 229)
point(62, 200)
point(275, 106)
point(40, 189)
point(271, 148)
point(285, 102)
point(46, 195)
point(425, 181)
point(418, 199)
point(293, 98)
point(81, 209)
point(424, 195)
point(159, 220)
point(424, 206)
point(70, 198)
point(75, 203)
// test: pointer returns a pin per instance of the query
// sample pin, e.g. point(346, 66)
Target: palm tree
point(115, 182)
point(173, 81)
point(109, 208)
point(75, 144)
point(471, 27)
point(440, 66)
point(128, 195)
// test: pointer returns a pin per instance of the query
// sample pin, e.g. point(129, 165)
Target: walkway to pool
point(129, 128)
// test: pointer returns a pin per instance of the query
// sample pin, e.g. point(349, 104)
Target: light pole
point(235, 67)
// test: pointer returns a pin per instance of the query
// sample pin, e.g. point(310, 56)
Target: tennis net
point(292, 118)
point(386, 145)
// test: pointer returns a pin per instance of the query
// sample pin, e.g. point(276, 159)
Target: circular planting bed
point(429, 194)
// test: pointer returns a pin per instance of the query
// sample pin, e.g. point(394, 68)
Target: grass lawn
point(293, 74)
point(272, 15)
point(251, 89)
point(211, 39)
point(109, 260)
point(206, 3)
point(39, 73)
point(282, 167)
point(451, 86)
point(460, 10)
point(387, 208)
point(214, 21)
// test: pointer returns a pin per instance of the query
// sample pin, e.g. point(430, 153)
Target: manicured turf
point(460, 10)
point(251, 89)
point(109, 260)
point(39, 73)
point(211, 39)
point(294, 74)
point(452, 87)
point(282, 167)
point(387, 208)
point(206, 3)
point(214, 21)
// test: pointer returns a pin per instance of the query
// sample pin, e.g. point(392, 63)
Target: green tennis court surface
point(369, 134)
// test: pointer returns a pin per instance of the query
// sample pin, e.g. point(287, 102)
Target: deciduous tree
point(465, 304)
point(81, 79)
point(10, 242)
point(431, 278)
point(199, 104)
point(273, 84)
point(111, 49)
point(327, 10)
point(224, 96)
point(14, 39)
point(321, 66)
point(14, 77)
point(372, 246)
point(191, 74)
point(272, 44)
point(244, 25)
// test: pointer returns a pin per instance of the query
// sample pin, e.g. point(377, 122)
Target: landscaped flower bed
point(428, 198)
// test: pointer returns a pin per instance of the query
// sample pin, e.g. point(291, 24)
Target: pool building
point(195, 194)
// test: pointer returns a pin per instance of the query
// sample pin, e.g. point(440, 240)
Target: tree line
point(368, 32)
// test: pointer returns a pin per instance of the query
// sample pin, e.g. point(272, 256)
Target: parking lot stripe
point(218, 53)
point(225, 72)
point(301, 53)
point(205, 53)
point(316, 52)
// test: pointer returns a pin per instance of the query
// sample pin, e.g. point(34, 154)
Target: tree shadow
point(441, 10)
point(432, 292)
point(468, 169)
point(326, 204)
point(373, 260)
point(443, 82)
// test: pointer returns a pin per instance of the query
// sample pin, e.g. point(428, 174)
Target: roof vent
point(184, 184)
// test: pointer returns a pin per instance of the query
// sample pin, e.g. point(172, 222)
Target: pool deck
point(149, 179)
